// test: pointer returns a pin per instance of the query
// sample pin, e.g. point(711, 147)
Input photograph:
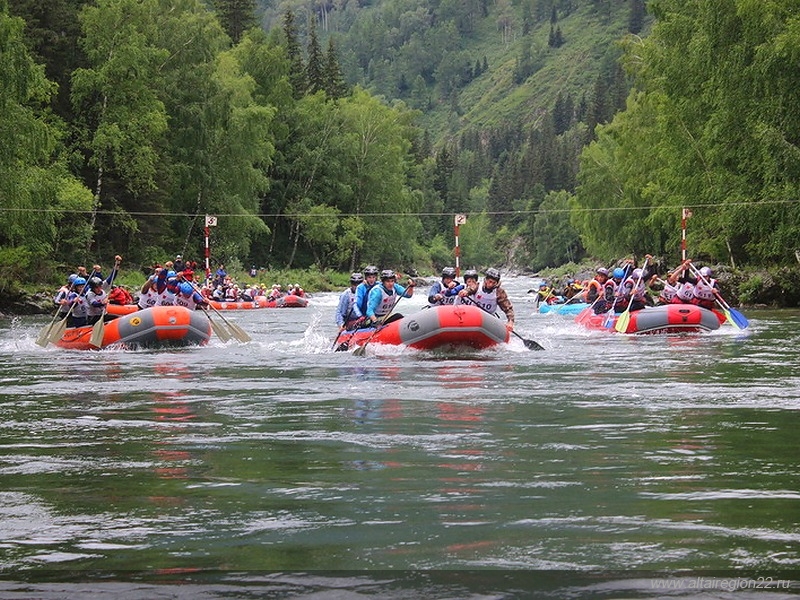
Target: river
point(603, 458)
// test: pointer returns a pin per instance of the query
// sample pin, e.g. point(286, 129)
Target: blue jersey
point(381, 300)
point(345, 310)
point(362, 295)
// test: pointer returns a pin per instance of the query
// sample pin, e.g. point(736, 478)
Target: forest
point(331, 134)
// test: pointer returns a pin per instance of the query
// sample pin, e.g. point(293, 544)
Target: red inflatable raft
point(459, 326)
point(668, 318)
point(160, 326)
point(288, 301)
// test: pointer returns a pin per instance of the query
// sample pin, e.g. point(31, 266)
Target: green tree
point(38, 196)
point(236, 16)
point(315, 65)
point(123, 118)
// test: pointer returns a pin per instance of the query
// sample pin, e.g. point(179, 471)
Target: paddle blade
point(737, 318)
point(360, 351)
point(98, 330)
point(621, 326)
point(608, 322)
point(239, 333)
point(57, 331)
point(219, 330)
point(44, 335)
point(532, 345)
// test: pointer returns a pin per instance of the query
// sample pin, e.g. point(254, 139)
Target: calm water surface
point(601, 454)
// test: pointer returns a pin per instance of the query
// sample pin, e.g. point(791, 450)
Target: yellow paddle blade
point(57, 331)
point(44, 335)
point(621, 326)
point(219, 330)
point(98, 331)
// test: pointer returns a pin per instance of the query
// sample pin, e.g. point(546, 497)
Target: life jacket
point(189, 301)
point(486, 300)
point(669, 293)
point(94, 303)
point(685, 292)
point(705, 291)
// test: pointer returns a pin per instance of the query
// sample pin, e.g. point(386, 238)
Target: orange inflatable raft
point(160, 326)
point(288, 301)
point(459, 326)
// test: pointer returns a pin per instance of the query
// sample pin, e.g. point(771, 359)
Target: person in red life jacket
point(120, 295)
point(594, 288)
point(612, 293)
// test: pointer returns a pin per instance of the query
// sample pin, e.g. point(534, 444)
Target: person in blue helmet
point(76, 300)
point(445, 291)
point(189, 297)
point(384, 297)
point(347, 300)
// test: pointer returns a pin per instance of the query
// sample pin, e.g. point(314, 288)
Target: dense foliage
point(345, 132)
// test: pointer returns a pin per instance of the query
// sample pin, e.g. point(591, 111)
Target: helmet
point(71, 279)
point(79, 281)
point(602, 271)
point(542, 285)
point(619, 273)
point(356, 278)
point(448, 272)
point(95, 281)
point(387, 274)
point(186, 288)
point(171, 273)
point(637, 273)
point(178, 257)
point(493, 273)
point(570, 281)
point(706, 272)
point(370, 270)
point(470, 274)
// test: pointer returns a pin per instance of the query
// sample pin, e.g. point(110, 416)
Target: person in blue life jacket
point(383, 298)
point(445, 291)
point(362, 292)
point(347, 300)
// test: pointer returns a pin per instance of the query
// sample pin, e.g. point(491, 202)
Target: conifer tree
point(315, 67)
point(236, 16)
point(297, 72)
point(335, 84)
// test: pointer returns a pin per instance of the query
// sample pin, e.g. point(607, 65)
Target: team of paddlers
point(369, 303)
point(628, 287)
point(84, 298)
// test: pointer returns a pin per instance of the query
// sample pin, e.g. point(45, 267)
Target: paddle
point(99, 328)
point(361, 350)
point(735, 318)
point(346, 319)
point(57, 332)
point(587, 312)
point(234, 330)
point(622, 322)
point(529, 344)
point(46, 335)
